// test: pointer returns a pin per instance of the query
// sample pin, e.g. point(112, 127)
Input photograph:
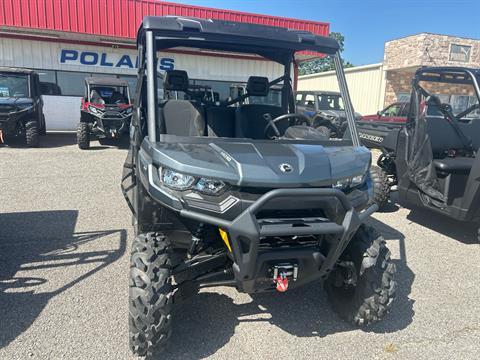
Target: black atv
point(21, 106)
point(105, 111)
point(433, 158)
point(325, 110)
point(244, 196)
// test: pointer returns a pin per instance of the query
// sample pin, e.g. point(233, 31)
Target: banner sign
point(110, 60)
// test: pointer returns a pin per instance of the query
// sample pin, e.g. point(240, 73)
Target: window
point(460, 53)
point(310, 100)
point(14, 85)
point(48, 82)
point(71, 83)
point(463, 102)
point(298, 99)
point(108, 94)
point(403, 97)
point(274, 97)
point(330, 102)
point(392, 110)
point(222, 88)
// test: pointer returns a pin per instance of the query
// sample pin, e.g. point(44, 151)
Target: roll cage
point(274, 43)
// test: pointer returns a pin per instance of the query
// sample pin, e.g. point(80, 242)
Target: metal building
point(68, 40)
point(366, 85)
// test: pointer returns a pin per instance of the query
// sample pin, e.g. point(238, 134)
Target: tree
point(325, 63)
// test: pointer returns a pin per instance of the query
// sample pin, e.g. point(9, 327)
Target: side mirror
point(379, 113)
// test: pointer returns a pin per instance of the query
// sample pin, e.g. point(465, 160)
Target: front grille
point(290, 242)
point(5, 109)
point(291, 214)
point(112, 123)
point(112, 115)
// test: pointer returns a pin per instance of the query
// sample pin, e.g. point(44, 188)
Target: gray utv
point(244, 196)
point(325, 110)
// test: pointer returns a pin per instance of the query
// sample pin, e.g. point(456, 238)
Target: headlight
point(209, 186)
point(128, 111)
point(94, 110)
point(348, 182)
point(176, 180)
point(181, 182)
point(23, 107)
point(342, 184)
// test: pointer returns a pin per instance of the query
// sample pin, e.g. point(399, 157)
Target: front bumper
point(9, 121)
point(251, 262)
point(110, 126)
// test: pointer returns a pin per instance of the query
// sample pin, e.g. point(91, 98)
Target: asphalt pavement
point(65, 235)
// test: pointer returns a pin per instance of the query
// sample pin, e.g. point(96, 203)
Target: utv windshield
point(14, 85)
point(330, 102)
point(109, 95)
point(265, 110)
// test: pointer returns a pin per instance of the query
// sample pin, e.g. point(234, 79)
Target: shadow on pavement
point(464, 232)
point(51, 140)
point(204, 323)
point(31, 241)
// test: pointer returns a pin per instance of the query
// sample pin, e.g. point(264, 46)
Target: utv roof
point(105, 81)
point(16, 70)
point(268, 41)
point(450, 74)
point(318, 92)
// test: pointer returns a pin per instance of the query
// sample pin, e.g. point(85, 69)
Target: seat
point(220, 121)
point(249, 118)
point(456, 165)
point(250, 123)
point(181, 117)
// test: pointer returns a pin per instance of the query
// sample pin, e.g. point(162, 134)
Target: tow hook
point(281, 273)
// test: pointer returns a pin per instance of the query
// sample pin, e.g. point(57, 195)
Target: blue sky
point(367, 24)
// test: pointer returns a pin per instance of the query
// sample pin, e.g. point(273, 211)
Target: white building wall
point(63, 112)
point(366, 85)
point(47, 55)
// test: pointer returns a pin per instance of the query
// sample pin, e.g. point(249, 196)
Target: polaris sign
point(111, 60)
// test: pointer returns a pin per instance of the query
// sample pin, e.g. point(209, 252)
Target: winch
point(281, 273)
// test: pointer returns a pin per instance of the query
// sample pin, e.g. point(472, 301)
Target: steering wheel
point(300, 119)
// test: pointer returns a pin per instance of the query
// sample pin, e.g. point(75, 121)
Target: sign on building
point(460, 53)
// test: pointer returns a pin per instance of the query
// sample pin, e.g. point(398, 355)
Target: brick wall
point(403, 56)
point(400, 82)
point(428, 50)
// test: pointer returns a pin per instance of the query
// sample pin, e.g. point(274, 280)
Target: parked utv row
point(245, 194)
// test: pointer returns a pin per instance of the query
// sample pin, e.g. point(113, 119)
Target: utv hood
point(13, 102)
point(262, 163)
point(338, 114)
